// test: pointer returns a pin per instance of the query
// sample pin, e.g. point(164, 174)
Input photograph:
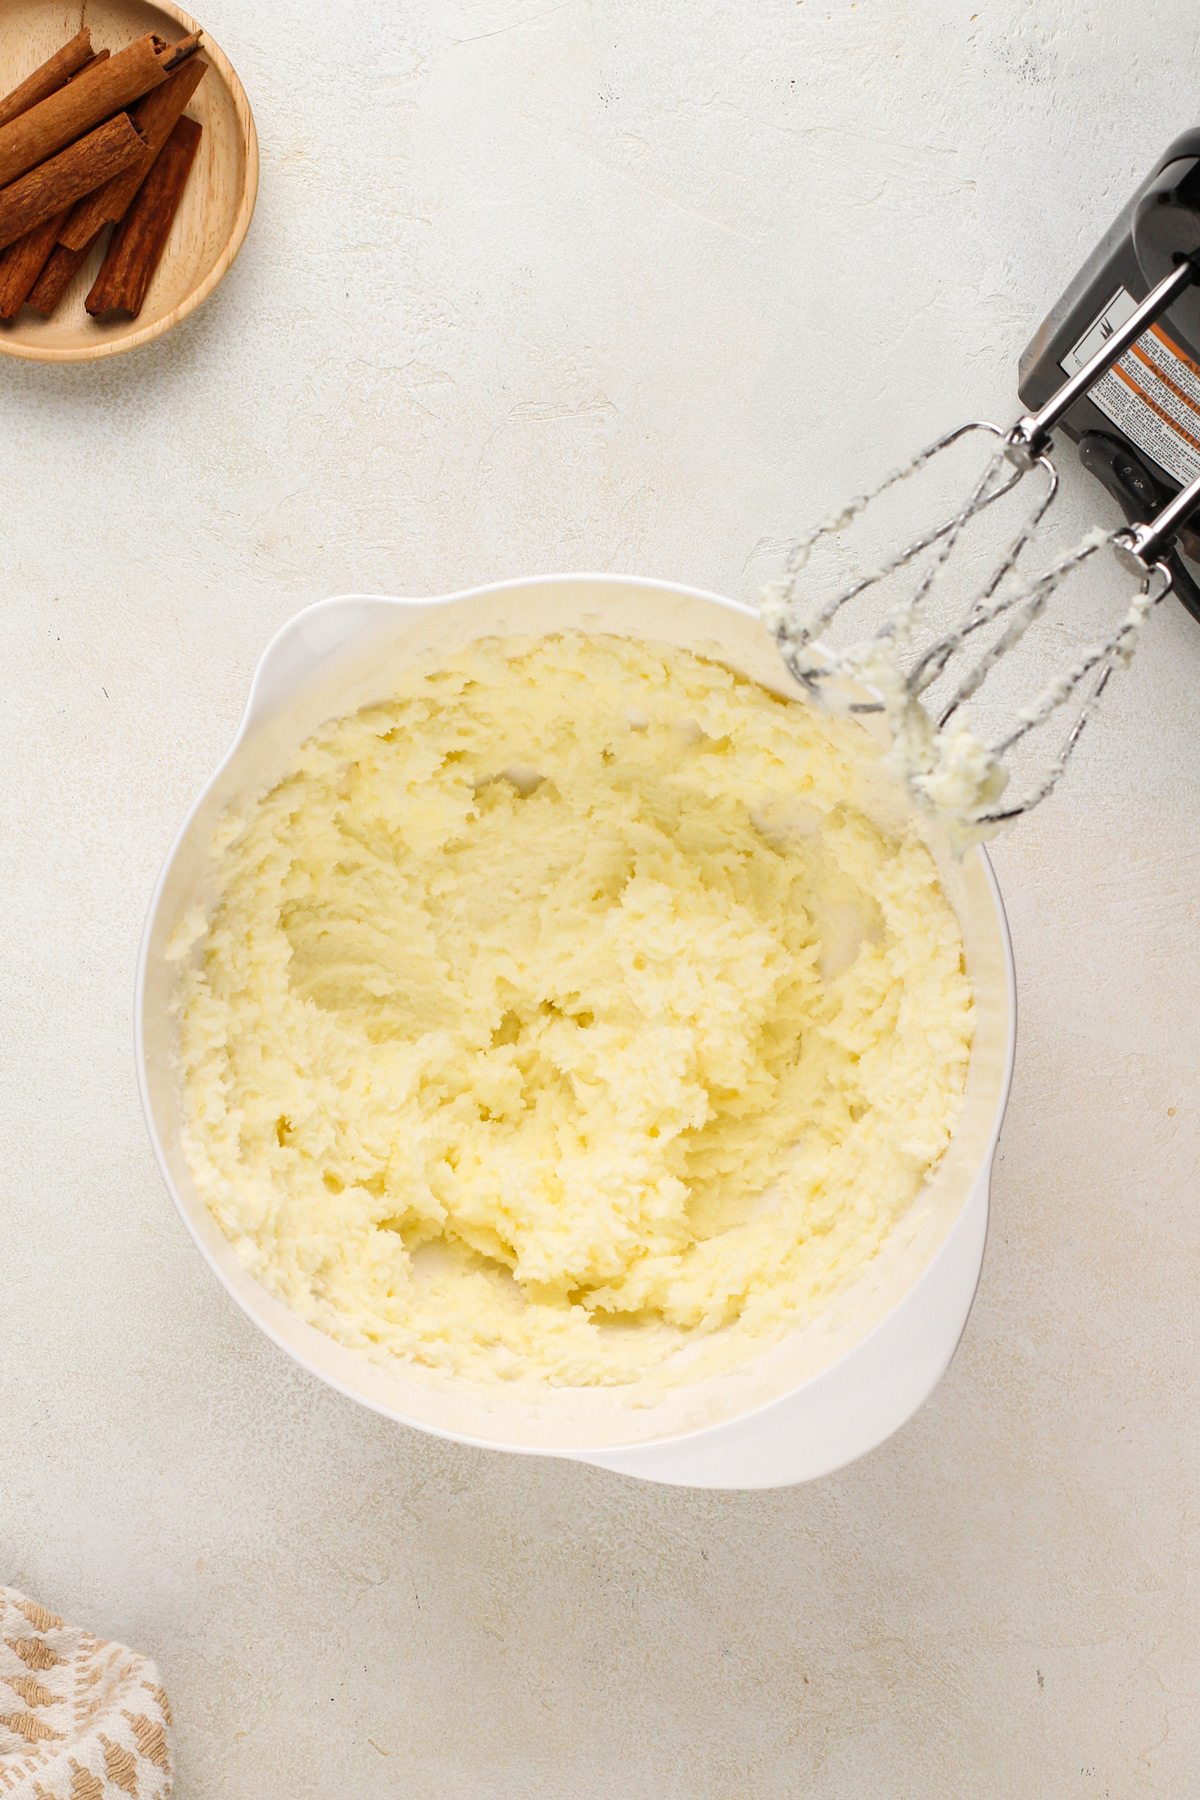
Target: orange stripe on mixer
point(1158, 332)
point(1161, 375)
point(1166, 418)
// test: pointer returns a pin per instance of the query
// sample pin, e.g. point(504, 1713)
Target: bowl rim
point(628, 1458)
point(84, 353)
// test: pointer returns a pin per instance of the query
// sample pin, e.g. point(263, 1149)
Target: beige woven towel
point(79, 1719)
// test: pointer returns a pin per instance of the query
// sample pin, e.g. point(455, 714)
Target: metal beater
point(948, 770)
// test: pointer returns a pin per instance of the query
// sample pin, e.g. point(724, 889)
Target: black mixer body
point(1138, 430)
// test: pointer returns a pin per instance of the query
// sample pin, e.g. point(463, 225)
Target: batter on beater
point(563, 1018)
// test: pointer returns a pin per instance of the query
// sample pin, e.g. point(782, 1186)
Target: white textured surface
point(535, 286)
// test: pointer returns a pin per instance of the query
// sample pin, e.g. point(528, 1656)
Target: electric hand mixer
point(1127, 390)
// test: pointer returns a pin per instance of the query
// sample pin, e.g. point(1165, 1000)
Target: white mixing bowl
point(833, 1389)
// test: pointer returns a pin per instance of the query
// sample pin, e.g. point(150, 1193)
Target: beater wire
point(946, 768)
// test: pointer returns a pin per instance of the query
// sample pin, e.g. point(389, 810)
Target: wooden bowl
point(214, 214)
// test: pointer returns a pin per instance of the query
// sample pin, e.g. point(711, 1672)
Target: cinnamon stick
point(101, 91)
point(141, 237)
point(54, 73)
point(56, 278)
point(100, 56)
point(155, 117)
point(46, 190)
point(23, 262)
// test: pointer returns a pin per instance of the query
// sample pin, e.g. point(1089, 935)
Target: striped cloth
point(80, 1719)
